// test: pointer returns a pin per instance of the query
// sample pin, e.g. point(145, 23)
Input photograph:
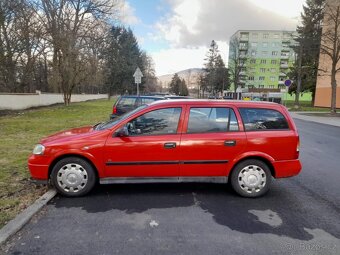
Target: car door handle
point(229, 143)
point(170, 145)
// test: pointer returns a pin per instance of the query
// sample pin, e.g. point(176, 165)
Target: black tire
point(76, 173)
point(259, 173)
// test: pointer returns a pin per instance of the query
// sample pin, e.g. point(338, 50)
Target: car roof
point(237, 103)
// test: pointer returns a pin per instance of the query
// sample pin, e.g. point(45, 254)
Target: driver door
point(149, 150)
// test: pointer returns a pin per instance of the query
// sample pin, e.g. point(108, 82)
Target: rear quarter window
point(263, 119)
point(127, 101)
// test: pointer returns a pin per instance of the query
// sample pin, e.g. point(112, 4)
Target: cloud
point(176, 59)
point(127, 14)
point(196, 22)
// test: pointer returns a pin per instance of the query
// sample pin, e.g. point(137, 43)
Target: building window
point(254, 35)
point(276, 36)
point(263, 61)
point(265, 45)
point(274, 53)
point(264, 53)
point(253, 61)
point(262, 70)
point(265, 36)
point(251, 78)
point(273, 70)
point(272, 78)
point(273, 62)
point(281, 86)
point(261, 78)
point(261, 86)
point(253, 53)
point(271, 86)
point(254, 44)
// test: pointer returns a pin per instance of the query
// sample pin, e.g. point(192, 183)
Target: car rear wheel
point(73, 177)
point(251, 178)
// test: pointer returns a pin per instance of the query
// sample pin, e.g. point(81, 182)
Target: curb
point(22, 218)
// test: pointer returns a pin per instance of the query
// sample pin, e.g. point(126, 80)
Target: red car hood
point(68, 134)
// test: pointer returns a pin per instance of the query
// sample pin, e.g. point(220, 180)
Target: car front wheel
point(73, 177)
point(251, 178)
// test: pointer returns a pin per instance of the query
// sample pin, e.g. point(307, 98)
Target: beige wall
point(323, 85)
point(24, 101)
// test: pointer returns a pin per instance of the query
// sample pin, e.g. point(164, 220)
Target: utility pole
point(298, 88)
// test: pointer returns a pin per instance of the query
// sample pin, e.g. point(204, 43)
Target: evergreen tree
point(309, 38)
point(222, 75)
point(123, 55)
point(210, 70)
point(175, 85)
point(183, 88)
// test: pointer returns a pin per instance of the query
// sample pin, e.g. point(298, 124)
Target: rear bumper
point(287, 168)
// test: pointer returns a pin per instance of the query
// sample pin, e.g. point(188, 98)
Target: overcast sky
point(177, 33)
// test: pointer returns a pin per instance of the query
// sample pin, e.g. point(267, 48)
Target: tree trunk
point(333, 97)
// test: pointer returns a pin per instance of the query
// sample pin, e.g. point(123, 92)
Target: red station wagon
point(246, 143)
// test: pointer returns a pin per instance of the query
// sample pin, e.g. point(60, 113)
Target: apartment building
point(263, 57)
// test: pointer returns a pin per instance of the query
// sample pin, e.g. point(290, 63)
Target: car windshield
point(111, 123)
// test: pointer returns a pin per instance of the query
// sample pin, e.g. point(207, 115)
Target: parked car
point(245, 143)
point(126, 104)
point(177, 97)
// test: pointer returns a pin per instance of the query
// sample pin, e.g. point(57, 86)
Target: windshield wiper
point(95, 127)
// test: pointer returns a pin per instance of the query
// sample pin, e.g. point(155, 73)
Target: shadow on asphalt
point(226, 208)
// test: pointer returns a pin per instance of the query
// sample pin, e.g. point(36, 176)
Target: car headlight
point(39, 149)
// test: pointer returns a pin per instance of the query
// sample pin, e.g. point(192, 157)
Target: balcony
point(242, 73)
point(284, 65)
point(282, 74)
point(284, 57)
point(243, 56)
point(242, 81)
point(281, 82)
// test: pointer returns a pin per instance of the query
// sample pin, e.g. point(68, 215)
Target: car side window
point(127, 101)
point(263, 119)
point(148, 100)
point(157, 122)
point(209, 120)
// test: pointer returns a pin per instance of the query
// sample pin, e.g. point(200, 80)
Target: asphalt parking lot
point(299, 215)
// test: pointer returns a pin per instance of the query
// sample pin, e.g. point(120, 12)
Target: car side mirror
point(122, 132)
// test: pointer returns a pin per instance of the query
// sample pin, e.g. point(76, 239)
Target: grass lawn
point(20, 131)
point(305, 106)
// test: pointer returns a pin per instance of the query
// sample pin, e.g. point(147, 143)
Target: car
point(177, 97)
point(245, 144)
point(128, 103)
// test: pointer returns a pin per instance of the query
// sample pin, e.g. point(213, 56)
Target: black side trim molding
point(188, 162)
point(142, 163)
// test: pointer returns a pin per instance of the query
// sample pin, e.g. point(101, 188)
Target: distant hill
point(189, 75)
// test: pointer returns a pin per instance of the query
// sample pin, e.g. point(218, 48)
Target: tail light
point(114, 110)
point(298, 148)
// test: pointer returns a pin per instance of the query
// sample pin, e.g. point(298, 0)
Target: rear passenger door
point(210, 141)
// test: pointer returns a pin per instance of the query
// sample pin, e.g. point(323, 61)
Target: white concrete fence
point(20, 101)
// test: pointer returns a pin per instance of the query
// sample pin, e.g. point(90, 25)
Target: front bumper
point(38, 167)
point(287, 168)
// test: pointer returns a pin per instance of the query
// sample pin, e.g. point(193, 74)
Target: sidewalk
point(333, 121)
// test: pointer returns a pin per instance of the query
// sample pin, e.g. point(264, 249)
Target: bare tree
point(238, 58)
point(330, 45)
point(68, 24)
